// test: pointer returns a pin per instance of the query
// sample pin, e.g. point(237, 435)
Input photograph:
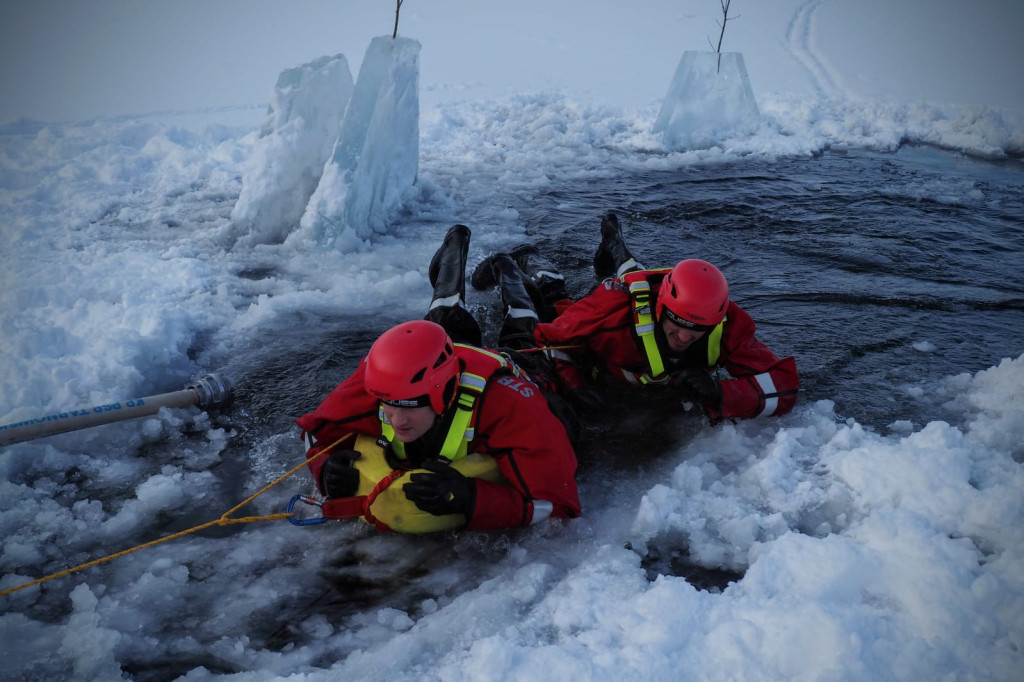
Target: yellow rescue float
point(380, 500)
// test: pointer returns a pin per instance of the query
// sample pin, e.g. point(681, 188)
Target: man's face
point(679, 338)
point(410, 422)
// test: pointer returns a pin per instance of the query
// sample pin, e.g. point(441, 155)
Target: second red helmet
point(413, 365)
point(694, 294)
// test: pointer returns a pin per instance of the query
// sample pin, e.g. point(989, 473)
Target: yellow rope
point(537, 349)
point(224, 520)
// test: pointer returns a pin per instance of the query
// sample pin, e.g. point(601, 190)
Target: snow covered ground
point(865, 555)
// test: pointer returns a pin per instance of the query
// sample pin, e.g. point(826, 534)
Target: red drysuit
point(513, 424)
point(599, 331)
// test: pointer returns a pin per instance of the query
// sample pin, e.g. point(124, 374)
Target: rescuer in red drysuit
point(434, 401)
point(673, 327)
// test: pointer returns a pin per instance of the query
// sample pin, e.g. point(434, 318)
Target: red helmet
point(413, 365)
point(694, 295)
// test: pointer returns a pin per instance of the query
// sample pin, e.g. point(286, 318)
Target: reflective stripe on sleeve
point(771, 395)
point(629, 376)
point(541, 510)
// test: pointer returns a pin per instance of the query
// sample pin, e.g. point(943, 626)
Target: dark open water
point(878, 271)
point(845, 260)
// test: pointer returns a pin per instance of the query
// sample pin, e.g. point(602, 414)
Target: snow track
point(802, 43)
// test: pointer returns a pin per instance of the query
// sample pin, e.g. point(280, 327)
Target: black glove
point(445, 491)
point(338, 477)
point(701, 384)
point(586, 399)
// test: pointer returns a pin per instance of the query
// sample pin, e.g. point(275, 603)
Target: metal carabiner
point(312, 521)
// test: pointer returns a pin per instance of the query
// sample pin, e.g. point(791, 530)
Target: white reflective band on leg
point(627, 266)
point(548, 274)
point(541, 511)
point(521, 312)
point(771, 402)
point(557, 355)
point(448, 301)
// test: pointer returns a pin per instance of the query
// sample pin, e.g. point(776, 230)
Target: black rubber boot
point(541, 272)
point(447, 270)
point(447, 274)
point(613, 258)
point(520, 311)
point(460, 324)
point(483, 276)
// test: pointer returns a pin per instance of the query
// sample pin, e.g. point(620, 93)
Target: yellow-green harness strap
point(643, 317)
point(715, 343)
point(461, 431)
